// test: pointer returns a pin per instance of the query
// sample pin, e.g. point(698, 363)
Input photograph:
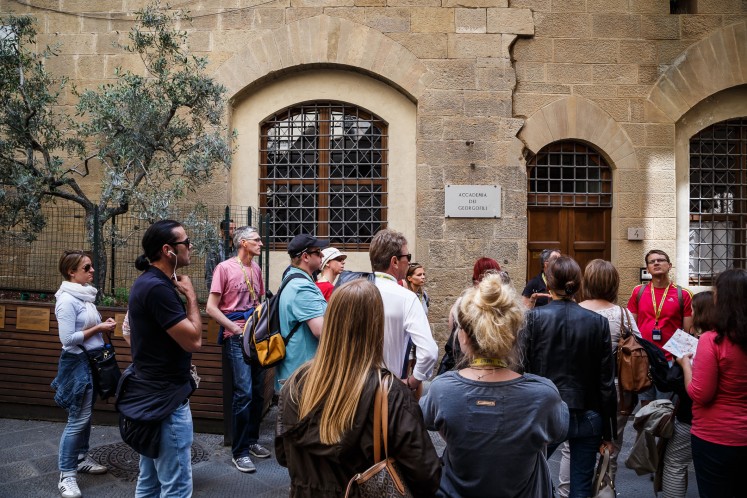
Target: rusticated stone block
point(510, 21)
point(486, 103)
point(569, 6)
point(493, 78)
point(568, 73)
point(533, 50)
point(697, 27)
point(589, 51)
point(470, 20)
point(648, 74)
point(626, 74)
point(619, 109)
point(616, 26)
point(655, 158)
point(413, 3)
point(660, 27)
point(720, 6)
point(475, 3)
point(637, 52)
point(596, 91)
point(606, 6)
point(660, 135)
point(453, 74)
point(441, 102)
point(530, 71)
point(388, 20)
point(473, 46)
point(295, 13)
point(355, 14)
point(432, 20)
point(636, 132)
point(669, 50)
point(649, 6)
point(423, 45)
point(562, 25)
point(526, 104)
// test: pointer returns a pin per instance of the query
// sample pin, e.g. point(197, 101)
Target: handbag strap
point(386, 384)
point(377, 421)
point(602, 470)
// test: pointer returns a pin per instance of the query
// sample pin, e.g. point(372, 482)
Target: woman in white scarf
point(79, 323)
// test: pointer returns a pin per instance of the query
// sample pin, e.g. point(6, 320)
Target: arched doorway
point(569, 203)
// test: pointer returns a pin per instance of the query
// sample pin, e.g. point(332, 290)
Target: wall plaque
point(32, 319)
point(473, 201)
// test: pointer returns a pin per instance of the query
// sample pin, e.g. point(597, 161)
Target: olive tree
point(151, 136)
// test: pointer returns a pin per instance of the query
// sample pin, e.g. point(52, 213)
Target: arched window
point(569, 173)
point(323, 170)
point(718, 200)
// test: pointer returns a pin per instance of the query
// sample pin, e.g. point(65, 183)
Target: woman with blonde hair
point(487, 412)
point(324, 431)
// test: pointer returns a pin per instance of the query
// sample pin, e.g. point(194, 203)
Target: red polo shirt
point(670, 318)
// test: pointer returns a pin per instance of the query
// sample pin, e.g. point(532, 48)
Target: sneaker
point(68, 487)
point(244, 464)
point(259, 451)
point(90, 466)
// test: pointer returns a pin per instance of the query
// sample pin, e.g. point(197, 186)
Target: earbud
point(172, 253)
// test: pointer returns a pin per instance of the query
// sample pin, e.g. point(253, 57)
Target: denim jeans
point(719, 469)
point(584, 438)
point(246, 406)
point(169, 475)
point(74, 440)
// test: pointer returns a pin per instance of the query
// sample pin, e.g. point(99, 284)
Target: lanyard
point(249, 282)
point(544, 279)
point(385, 276)
point(660, 306)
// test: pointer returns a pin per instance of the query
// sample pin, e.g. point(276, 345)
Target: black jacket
point(318, 470)
point(571, 346)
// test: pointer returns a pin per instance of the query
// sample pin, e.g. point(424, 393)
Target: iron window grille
point(323, 171)
point(718, 200)
point(570, 174)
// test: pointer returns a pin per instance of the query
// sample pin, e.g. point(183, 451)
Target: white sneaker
point(90, 466)
point(244, 464)
point(68, 487)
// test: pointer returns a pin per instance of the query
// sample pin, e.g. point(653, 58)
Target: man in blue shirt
point(302, 305)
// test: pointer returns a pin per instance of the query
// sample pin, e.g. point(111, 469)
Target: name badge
point(485, 402)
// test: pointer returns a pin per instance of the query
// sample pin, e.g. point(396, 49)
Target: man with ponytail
point(158, 384)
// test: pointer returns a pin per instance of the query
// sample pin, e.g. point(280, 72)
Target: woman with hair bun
point(487, 412)
point(571, 346)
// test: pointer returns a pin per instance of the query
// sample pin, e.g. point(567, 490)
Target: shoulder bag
point(382, 479)
point(603, 485)
point(104, 368)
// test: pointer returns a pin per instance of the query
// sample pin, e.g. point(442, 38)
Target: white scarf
point(85, 293)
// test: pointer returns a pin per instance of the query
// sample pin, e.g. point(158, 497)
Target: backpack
point(347, 276)
point(264, 345)
point(681, 299)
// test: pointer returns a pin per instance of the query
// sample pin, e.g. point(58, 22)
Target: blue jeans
point(584, 438)
point(719, 469)
point(169, 475)
point(74, 440)
point(246, 406)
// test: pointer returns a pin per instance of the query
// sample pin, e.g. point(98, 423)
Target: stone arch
point(324, 41)
point(715, 63)
point(581, 119)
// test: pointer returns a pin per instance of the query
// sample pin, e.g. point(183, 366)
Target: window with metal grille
point(323, 171)
point(718, 200)
point(569, 173)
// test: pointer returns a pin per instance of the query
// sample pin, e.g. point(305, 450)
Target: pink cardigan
point(719, 392)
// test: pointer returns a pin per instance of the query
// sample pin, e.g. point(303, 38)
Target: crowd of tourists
point(522, 374)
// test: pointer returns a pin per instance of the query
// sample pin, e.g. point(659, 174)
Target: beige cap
point(331, 253)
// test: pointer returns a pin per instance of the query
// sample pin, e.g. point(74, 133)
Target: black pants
point(719, 469)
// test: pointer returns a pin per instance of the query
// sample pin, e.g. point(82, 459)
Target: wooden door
point(581, 233)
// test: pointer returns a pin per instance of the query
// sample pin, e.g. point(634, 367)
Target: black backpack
point(264, 345)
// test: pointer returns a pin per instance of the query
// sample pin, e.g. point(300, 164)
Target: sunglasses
point(408, 256)
point(87, 267)
point(317, 252)
point(186, 242)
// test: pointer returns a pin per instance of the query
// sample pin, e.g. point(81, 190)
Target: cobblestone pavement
point(28, 465)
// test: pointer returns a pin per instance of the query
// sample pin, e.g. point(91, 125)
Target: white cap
point(331, 253)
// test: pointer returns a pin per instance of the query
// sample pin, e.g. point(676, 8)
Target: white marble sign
point(473, 201)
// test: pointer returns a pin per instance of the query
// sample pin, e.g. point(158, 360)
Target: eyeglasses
point(186, 242)
point(87, 267)
point(408, 256)
point(255, 239)
point(654, 261)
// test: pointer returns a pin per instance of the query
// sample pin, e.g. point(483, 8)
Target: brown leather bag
point(382, 479)
point(632, 365)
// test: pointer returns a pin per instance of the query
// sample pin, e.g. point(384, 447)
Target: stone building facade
point(583, 111)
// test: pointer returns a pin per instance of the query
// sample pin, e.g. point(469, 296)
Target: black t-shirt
point(536, 285)
point(155, 306)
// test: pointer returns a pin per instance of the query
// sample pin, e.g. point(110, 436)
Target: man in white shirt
point(404, 318)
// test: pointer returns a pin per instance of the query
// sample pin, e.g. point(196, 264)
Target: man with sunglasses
point(301, 305)
point(405, 322)
point(235, 291)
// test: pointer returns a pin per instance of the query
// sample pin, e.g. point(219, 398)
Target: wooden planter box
point(29, 359)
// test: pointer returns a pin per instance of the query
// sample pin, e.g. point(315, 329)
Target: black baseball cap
point(304, 241)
